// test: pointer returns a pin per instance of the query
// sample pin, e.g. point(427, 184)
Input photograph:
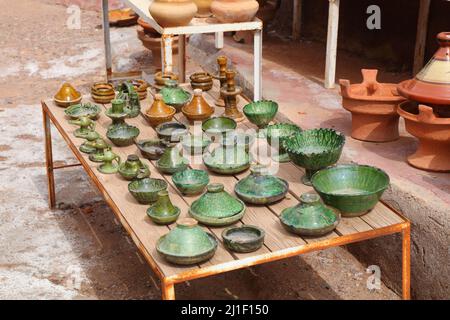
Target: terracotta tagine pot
point(187, 244)
point(159, 112)
point(163, 211)
point(198, 109)
point(217, 207)
point(67, 95)
point(133, 168)
point(373, 106)
point(173, 13)
point(229, 11)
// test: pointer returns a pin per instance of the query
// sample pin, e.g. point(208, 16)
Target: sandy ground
point(79, 251)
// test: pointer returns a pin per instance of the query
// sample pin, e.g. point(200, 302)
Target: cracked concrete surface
point(79, 251)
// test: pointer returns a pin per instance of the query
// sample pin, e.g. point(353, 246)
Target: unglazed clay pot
point(173, 13)
point(433, 132)
point(229, 11)
point(373, 106)
point(204, 8)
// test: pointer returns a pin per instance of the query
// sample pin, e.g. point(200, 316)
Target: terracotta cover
point(432, 84)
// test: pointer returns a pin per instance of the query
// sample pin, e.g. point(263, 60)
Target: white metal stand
point(332, 37)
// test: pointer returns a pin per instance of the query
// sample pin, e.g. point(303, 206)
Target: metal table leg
point(168, 290)
point(107, 38)
point(218, 40)
point(182, 58)
point(406, 263)
point(166, 53)
point(332, 37)
point(257, 68)
point(49, 159)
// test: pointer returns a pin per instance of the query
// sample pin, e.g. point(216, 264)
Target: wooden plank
point(421, 35)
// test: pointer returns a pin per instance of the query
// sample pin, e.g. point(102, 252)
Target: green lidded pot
point(217, 207)
point(175, 96)
point(171, 161)
point(187, 244)
point(314, 150)
point(133, 168)
point(190, 182)
point(145, 191)
point(83, 109)
point(163, 211)
point(261, 188)
point(227, 160)
point(276, 134)
point(310, 217)
point(353, 189)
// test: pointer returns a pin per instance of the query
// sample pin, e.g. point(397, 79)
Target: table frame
point(168, 282)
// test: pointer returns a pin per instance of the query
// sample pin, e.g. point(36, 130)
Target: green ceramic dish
point(171, 131)
point(175, 96)
point(218, 125)
point(243, 239)
point(195, 144)
point(151, 149)
point(260, 187)
point(83, 109)
point(163, 211)
point(187, 244)
point(123, 136)
point(238, 139)
point(352, 189)
point(314, 150)
point(133, 168)
point(191, 182)
point(276, 134)
point(217, 207)
point(145, 191)
point(260, 113)
point(226, 160)
point(310, 217)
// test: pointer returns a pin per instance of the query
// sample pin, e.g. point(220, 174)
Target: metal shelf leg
point(257, 68)
point(168, 290)
point(182, 58)
point(49, 159)
point(332, 38)
point(406, 263)
point(107, 38)
point(166, 53)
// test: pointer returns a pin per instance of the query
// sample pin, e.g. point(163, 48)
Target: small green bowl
point(163, 219)
point(171, 131)
point(122, 136)
point(191, 182)
point(83, 109)
point(145, 191)
point(195, 144)
point(151, 149)
point(352, 189)
point(243, 239)
point(260, 113)
point(218, 125)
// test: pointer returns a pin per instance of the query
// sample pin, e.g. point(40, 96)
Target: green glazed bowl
point(238, 139)
point(243, 239)
point(260, 113)
point(226, 160)
point(314, 150)
point(145, 191)
point(151, 149)
point(122, 136)
point(163, 219)
point(83, 109)
point(218, 125)
point(187, 244)
point(191, 182)
point(195, 144)
point(352, 189)
point(279, 132)
point(171, 131)
point(171, 170)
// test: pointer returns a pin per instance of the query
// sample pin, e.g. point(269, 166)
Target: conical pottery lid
point(187, 239)
point(310, 213)
point(159, 108)
point(260, 184)
point(67, 93)
point(217, 203)
point(432, 84)
point(198, 105)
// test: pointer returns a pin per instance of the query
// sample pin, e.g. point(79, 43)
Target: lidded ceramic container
point(187, 244)
point(175, 96)
point(217, 207)
point(198, 109)
point(260, 187)
point(229, 11)
point(310, 217)
point(67, 95)
point(159, 112)
point(163, 211)
point(173, 13)
point(133, 168)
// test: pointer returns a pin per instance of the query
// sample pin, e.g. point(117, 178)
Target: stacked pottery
point(201, 80)
point(102, 92)
point(373, 106)
point(198, 109)
point(427, 114)
point(173, 13)
point(230, 11)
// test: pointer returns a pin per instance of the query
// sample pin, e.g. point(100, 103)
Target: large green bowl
point(314, 150)
point(276, 134)
point(191, 182)
point(122, 136)
point(83, 109)
point(145, 191)
point(260, 113)
point(352, 189)
point(218, 125)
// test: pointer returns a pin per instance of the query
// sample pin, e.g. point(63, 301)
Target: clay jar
point(204, 8)
point(373, 106)
point(159, 112)
point(229, 11)
point(433, 132)
point(173, 13)
point(198, 109)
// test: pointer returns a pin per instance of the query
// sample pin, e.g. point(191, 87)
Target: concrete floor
point(79, 251)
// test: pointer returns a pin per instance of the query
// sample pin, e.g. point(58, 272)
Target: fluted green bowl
point(260, 113)
point(145, 191)
point(314, 150)
point(352, 189)
point(276, 134)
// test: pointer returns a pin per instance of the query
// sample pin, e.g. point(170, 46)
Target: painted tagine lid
point(260, 187)
point(217, 203)
point(432, 84)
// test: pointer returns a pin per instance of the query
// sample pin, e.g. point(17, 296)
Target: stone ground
point(79, 251)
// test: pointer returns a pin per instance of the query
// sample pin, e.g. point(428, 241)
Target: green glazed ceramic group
point(340, 190)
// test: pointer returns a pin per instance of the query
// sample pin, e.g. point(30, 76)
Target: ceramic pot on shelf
point(198, 109)
point(373, 106)
point(230, 11)
point(204, 8)
point(159, 112)
point(173, 13)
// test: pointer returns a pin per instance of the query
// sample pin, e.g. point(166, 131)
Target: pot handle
point(426, 114)
point(345, 88)
point(370, 79)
